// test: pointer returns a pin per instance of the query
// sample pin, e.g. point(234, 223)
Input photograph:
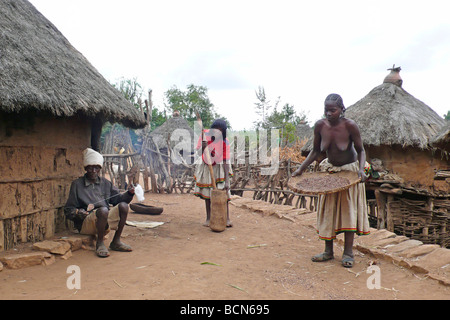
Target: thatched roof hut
point(168, 152)
point(398, 128)
point(53, 104)
point(43, 72)
point(166, 131)
point(388, 115)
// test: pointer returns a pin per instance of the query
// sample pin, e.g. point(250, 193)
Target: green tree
point(194, 99)
point(131, 90)
point(158, 118)
point(263, 105)
point(283, 117)
point(447, 116)
point(286, 119)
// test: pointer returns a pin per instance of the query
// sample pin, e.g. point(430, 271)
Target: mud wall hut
point(397, 128)
point(53, 103)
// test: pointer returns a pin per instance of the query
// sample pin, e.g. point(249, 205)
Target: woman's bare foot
point(324, 256)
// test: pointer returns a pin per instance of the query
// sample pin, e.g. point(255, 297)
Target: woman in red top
point(216, 143)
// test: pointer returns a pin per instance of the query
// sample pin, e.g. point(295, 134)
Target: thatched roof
point(388, 115)
point(303, 131)
point(161, 134)
point(41, 71)
point(442, 138)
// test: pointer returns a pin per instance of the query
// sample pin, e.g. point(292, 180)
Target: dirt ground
point(258, 258)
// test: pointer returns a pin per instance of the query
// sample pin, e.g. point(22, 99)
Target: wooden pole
point(149, 107)
point(381, 209)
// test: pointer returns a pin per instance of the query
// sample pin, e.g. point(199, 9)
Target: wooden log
point(389, 214)
point(391, 191)
point(164, 175)
point(381, 205)
point(2, 237)
point(153, 182)
point(219, 204)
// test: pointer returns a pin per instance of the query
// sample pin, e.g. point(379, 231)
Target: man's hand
point(82, 212)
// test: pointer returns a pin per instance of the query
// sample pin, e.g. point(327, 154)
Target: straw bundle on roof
point(40, 70)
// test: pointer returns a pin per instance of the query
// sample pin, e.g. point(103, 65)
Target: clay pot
point(394, 76)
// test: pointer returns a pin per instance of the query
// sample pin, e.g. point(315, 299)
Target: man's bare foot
point(101, 250)
point(120, 246)
point(206, 223)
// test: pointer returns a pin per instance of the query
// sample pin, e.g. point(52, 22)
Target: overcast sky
point(299, 51)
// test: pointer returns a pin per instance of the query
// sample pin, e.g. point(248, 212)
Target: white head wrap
point(92, 158)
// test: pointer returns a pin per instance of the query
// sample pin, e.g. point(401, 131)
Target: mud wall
point(417, 167)
point(38, 162)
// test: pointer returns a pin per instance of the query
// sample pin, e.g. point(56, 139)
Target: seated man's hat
point(92, 158)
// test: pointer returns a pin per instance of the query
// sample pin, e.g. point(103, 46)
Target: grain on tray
point(324, 183)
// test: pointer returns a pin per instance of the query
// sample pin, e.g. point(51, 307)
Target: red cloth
point(220, 149)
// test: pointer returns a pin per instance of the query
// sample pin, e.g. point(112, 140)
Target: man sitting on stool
point(88, 205)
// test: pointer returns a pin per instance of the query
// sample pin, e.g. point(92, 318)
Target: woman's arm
point(355, 135)
point(314, 154)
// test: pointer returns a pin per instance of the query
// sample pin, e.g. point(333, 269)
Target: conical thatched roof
point(388, 115)
point(41, 71)
point(161, 134)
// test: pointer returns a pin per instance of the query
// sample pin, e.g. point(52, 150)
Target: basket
point(323, 182)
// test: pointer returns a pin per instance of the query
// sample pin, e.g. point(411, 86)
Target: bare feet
point(324, 256)
point(101, 250)
point(347, 260)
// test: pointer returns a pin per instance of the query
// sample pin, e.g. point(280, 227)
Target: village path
point(260, 257)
